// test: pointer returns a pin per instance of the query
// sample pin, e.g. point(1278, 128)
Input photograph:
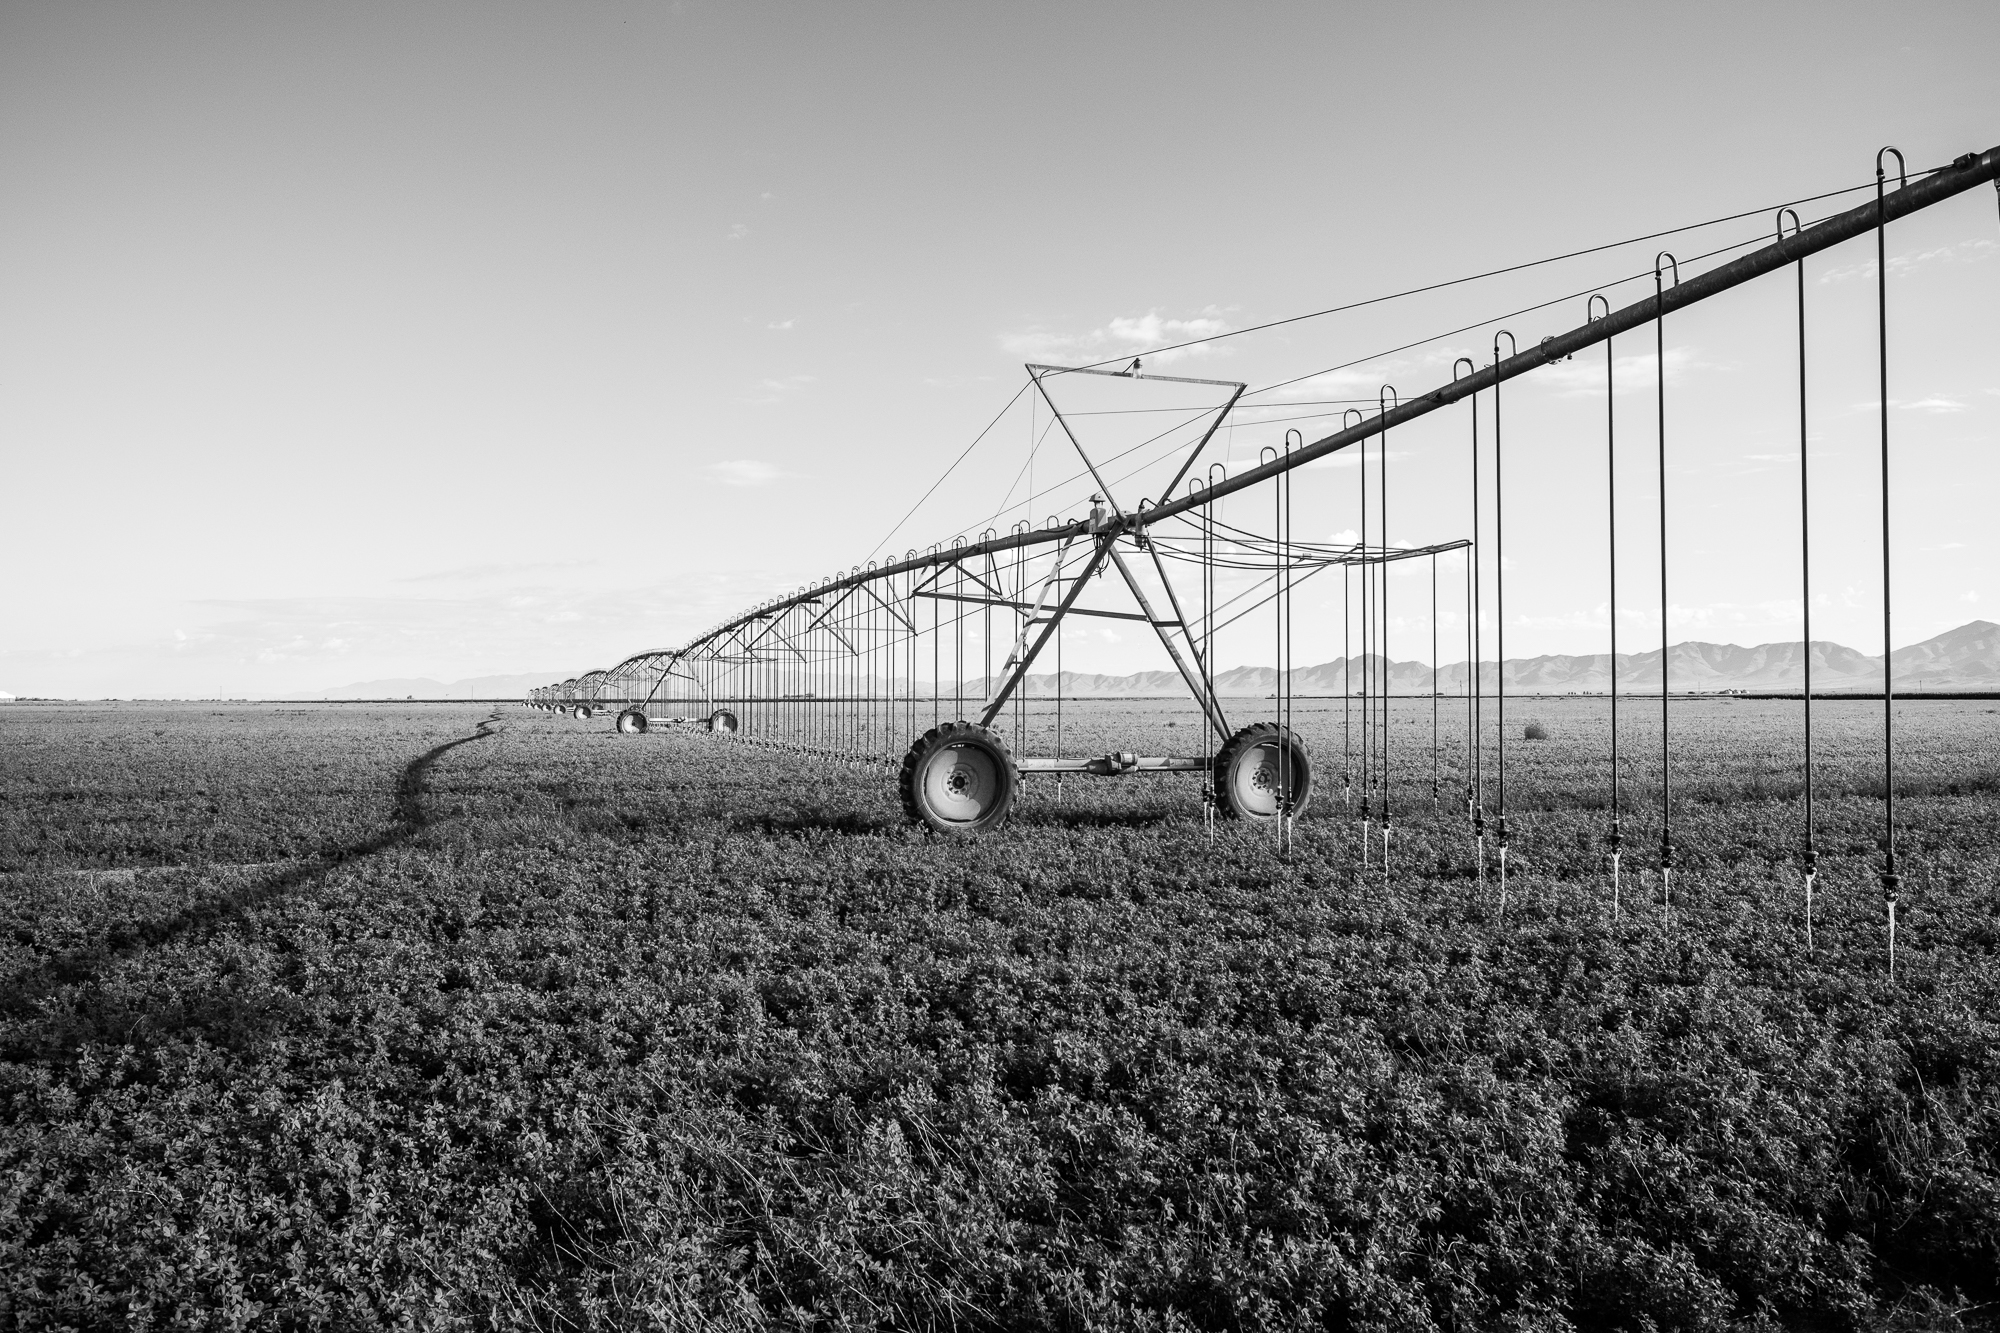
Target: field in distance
point(365, 1014)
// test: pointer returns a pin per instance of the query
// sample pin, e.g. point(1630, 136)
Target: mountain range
point(1967, 658)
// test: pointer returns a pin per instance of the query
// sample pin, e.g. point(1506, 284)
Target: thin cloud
point(1123, 335)
point(743, 472)
point(1585, 379)
point(780, 389)
point(1964, 252)
point(498, 569)
point(1936, 405)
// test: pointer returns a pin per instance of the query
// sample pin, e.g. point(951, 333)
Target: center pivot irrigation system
point(872, 664)
point(853, 666)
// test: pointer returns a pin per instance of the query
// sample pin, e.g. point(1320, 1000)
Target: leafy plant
point(568, 1027)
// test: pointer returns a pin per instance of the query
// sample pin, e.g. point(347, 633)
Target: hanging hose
point(1475, 740)
point(1808, 852)
point(1890, 880)
point(1436, 733)
point(1367, 668)
point(1472, 671)
point(1286, 771)
point(1208, 642)
point(1346, 688)
point(1347, 668)
point(1666, 745)
point(1385, 400)
point(1614, 839)
point(1500, 617)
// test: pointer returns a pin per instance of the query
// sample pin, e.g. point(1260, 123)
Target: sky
point(362, 341)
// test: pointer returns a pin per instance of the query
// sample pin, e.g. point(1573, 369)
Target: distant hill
point(423, 687)
point(1967, 658)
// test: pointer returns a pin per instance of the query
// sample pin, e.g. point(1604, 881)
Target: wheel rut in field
point(20, 993)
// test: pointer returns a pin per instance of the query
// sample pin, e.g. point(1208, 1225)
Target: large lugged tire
point(580, 713)
point(959, 778)
point(631, 721)
point(1251, 768)
point(722, 722)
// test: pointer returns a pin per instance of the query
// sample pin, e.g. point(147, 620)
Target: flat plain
point(451, 1016)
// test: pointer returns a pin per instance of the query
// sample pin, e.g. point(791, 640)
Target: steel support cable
point(1197, 408)
point(1245, 537)
point(1345, 365)
point(1312, 573)
point(1348, 365)
point(1477, 277)
point(1890, 880)
point(948, 471)
point(1250, 560)
point(1964, 173)
point(1035, 442)
point(999, 514)
point(1493, 319)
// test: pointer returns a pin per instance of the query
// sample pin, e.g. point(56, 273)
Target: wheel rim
point(1254, 779)
point(961, 784)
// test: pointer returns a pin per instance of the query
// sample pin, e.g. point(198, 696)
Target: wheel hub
point(961, 782)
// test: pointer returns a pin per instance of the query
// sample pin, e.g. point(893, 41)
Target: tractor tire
point(1250, 770)
point(631, 722)
point(722, 722)
point(580, 713)
point(959, 778)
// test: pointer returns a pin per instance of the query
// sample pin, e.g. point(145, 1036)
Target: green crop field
point(349, 1015)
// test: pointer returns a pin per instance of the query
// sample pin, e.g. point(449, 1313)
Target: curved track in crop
point(20, 994)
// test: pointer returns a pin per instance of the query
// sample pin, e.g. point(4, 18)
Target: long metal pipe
point(1964, 173)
